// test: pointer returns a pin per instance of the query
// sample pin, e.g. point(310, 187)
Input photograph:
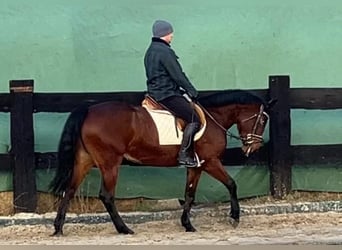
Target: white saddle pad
point(167, 129)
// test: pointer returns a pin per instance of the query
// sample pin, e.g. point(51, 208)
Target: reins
point(250, 138)
point(230, 134)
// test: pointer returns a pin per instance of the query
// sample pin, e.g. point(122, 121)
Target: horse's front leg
point(193, 176)
point(215, 169)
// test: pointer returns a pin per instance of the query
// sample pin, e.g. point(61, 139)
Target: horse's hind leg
point(106, 195)
point(216, 170)
point(62, 209)
point(82, 167)
point(193, 176)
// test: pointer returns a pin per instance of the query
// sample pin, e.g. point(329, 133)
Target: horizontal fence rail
point(278, 153)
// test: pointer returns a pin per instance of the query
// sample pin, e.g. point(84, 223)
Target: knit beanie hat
point(161, 28)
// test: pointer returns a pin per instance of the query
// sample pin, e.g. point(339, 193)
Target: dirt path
point(294, 228)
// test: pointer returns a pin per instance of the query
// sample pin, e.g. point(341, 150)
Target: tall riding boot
point(186, 154)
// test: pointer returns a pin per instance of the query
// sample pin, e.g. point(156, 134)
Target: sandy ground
point(294, 228)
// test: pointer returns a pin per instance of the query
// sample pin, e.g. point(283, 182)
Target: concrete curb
point(141, 217)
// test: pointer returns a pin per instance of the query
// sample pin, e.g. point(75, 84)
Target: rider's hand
point(194, 98)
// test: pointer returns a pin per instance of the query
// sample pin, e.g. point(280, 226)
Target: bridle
point(253, 137)
point(250, 138)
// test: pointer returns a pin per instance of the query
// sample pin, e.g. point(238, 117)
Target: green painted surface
point(166, 183)
point(88, 46)
point(99, 45)
point(162, 183)
point(316, 127)
point(4, 132)
point(326, 177)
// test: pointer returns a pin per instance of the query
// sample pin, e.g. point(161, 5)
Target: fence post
point(280, 159)
point(22, 146)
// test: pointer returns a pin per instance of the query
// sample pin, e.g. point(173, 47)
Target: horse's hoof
point(233, 222)
point(129, 231)
point(57, 234)
point(126, 231)
point(191, 230)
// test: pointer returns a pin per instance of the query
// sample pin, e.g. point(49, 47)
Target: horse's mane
point(227, 97)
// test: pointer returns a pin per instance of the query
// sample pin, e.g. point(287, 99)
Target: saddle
point(168, 133)
point(152, 105)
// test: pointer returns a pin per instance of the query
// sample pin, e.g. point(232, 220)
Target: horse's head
point(246, 110)
point(251, 123)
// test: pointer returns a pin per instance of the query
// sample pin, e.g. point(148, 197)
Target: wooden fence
point(22, 102)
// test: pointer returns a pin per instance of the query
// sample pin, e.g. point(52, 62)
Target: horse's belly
point(152, 160)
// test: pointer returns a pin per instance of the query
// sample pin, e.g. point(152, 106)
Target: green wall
point(88, 45)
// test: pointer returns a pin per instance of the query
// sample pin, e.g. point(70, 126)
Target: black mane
point(227, 97)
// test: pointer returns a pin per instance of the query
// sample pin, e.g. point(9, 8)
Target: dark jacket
point(164, 74)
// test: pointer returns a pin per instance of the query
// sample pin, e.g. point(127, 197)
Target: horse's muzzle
point(251, 143)
point(251, 148)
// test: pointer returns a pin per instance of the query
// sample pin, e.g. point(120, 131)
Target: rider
point(166, 83)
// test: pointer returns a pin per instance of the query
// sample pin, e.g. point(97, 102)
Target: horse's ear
point(271, 103)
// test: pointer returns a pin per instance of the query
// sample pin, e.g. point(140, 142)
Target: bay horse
point(104, 134)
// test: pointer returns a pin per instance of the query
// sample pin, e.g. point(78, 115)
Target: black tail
point(67, 149)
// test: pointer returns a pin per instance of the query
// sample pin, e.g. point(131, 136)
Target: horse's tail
point(67, 149)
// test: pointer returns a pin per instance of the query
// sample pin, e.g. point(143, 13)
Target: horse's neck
point(224, 116)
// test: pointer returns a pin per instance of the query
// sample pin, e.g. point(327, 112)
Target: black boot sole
point(188, 164)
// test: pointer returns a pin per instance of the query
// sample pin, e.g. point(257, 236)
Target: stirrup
point(197, 164)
